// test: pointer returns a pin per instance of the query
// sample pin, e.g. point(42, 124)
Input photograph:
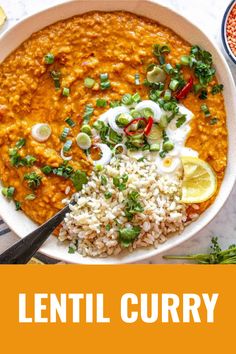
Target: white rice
point(164, 214)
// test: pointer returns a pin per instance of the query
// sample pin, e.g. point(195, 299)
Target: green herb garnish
point(56, 75)
point(159, 51)
point(46, 170)
point(217, 89)
point(79, 178)
point(49, 58)
point(8, 192)
point(70, 122)
point(66, 92)
point(17, 205)
point(216, 255)
point(101, 102)
point(107, 195)
point(120, 182)
point(89, 82)
point(88, 113)
point(30, 197)
point(205, 110)
point(127, 235)
point(33, 179)
point(214, 121)
point(64, 134)
point(104, 180)
point(133, 206)
point(181, 120)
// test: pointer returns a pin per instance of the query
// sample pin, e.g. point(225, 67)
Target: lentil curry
point(44, 81)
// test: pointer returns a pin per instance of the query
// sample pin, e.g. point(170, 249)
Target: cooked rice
point(163, 215)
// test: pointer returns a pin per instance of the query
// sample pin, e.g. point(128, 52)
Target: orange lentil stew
point(65, 76)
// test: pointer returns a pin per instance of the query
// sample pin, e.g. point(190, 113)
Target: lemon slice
point(3, 16)
point(199, 183)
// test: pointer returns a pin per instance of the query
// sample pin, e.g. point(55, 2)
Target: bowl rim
point(223, 31)
point(211, 212)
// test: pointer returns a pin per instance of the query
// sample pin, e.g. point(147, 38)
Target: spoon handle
point(22, 251)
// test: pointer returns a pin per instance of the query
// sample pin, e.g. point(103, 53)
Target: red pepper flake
point(231, 30)
point(148, 127)
point(138, 131)
point(185, 90)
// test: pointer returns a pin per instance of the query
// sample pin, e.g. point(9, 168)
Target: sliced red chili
point(148, 127)
point(185, 90)
point(138, 131)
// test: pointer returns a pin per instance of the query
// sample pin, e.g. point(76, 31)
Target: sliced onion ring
point(66, 158)
point(112, 114)
point(41, 132)
point(106, 155)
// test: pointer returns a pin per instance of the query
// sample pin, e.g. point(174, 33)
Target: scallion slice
point(205, 110)
point(66, 91)
point(136, 97)
point(127, 99)
point(70, 122)
point(67, 146)
point(101, 102)
point(8, 192)
point(89, 82)
point(49, 58)
point(167, 95)
point(64, 134)
point(137, 79)
point(185, 60)
point(46, 170)
point(105, 85)
point(86, 129)
point(104, 77)
point(83, 140)
point(174, 84)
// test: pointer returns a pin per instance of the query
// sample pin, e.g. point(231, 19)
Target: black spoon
point(22, 251)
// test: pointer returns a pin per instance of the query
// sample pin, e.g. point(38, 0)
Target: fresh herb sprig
point(216, 255)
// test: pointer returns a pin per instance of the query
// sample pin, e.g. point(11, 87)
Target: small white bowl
point(12, 38)
point(224, 38)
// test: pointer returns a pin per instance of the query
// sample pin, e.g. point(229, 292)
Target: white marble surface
point(207, 14)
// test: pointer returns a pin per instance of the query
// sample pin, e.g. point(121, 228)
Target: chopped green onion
point(88, 113)
point(20, 143)
point(203, 95)
point(135, 114)
point(104, 77)
point(123, 119)
point(127, 99)
point(56, 78)
point(168, 146)
point(155, 147)
point(180, 121)
point(70, 122)
point(104, 180)
point(108, 227)
point(214, 121)
point(163, 122)
point(30, 197)
point(174, 84)
point(8, 192)
point(66, 91)
point(28, 160)
point(46, 170)
point(197, 88)
point(107, 195)
point(98, 168)
point(137, 79)
point(185, 60)
point(136, 97)
point(49, 58)
point(168, 68)
point(83, 141)
point(64, 134)
point(167, 95)
point(34, 180)
point(162, 154)
point(101, 102)
point(88, 82)
point(217, 89)
point(18, 205)
point(67, 146)
point(205, 109)
point(105, 85)
point(114, 104)
point(86, 129)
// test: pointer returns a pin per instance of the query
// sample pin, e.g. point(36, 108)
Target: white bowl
point(11, 39)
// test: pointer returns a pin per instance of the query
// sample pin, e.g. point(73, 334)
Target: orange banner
point(117, 309)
